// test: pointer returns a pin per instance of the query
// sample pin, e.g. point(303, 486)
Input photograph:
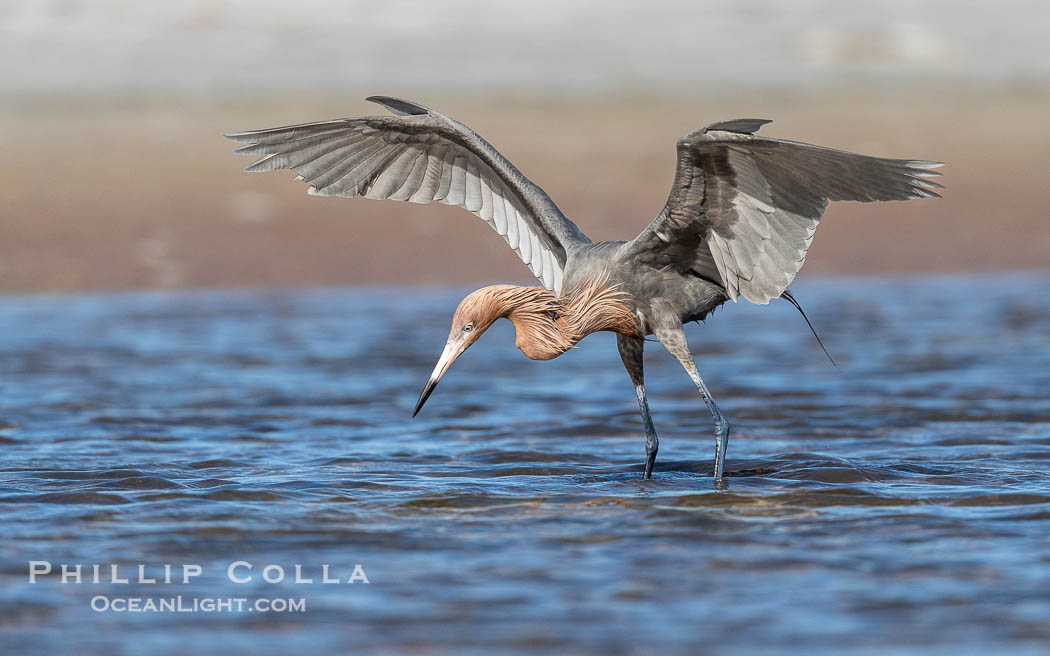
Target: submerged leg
point(674, 341)
point(631, 354)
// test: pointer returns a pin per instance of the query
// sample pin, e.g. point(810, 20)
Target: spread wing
point(420, 156)
point(743, 209)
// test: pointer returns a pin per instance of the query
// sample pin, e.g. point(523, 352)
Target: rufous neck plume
point(547, 325)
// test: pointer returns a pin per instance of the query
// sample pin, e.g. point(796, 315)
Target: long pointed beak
point(453, 349)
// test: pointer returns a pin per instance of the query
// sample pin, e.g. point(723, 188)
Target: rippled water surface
point(902, 505)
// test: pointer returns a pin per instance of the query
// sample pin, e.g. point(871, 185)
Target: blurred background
point(115, 174)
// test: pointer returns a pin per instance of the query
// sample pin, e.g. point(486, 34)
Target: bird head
point(475, 314)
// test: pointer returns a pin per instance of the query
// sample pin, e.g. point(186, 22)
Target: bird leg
point(631, 354)
point(673, 339)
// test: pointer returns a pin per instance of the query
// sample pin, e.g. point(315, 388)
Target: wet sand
point(150, 196)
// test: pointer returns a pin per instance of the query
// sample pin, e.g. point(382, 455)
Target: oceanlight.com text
point(180, 604)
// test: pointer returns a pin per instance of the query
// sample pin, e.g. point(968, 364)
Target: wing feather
point(421, 156)
point(293, 159)
point(447, 168)
point(322, 178)
point(486, 202)
point(394, 175)
point(743, 209)
point(537, 254)
point(428, 186)
point(499, 210)
point(457, 191)
point(524, 243)
point(512, 225)
point(472, 193)
point(414, 179)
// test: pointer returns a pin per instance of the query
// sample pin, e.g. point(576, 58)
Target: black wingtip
point(399, 106)
point(739, 125)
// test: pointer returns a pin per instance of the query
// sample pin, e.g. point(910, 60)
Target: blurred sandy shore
point(151, 196)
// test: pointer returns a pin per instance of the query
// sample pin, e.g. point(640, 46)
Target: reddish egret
point(738, 222)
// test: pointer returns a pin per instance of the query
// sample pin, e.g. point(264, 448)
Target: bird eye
point(469, 327)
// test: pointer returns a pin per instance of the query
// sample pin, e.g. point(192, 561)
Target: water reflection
point(904, 502)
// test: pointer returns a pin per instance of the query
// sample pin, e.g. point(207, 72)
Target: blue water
point(900, 506)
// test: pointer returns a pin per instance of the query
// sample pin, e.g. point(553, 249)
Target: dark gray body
point(659, 296)
point(737, 223)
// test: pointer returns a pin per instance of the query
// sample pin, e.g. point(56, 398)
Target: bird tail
point(791, 299)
